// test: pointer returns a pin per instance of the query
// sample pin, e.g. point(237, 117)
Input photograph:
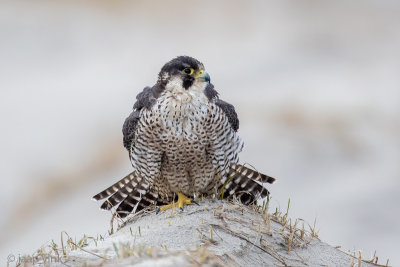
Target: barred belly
point(185, 163)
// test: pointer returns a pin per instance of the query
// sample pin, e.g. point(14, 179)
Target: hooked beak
point(203, 76)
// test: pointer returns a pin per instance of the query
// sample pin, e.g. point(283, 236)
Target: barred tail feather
point(121, 194)
point(128, 204)
point(251, 174)
point(120, 191)
point(114, 188)
point(149, 199)
point(241, 181)
point(126, 194)
point(137, 198)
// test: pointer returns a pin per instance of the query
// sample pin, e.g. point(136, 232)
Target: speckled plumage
point(181, 138)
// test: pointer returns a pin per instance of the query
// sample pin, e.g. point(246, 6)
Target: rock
point(216, 233)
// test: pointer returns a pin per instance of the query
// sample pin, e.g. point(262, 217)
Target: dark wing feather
point(230, 112)
point(144, 99)
point(129, 128)
point(210, 92)
point(227, 108)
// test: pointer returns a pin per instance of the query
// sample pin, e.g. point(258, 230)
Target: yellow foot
point(182, 200)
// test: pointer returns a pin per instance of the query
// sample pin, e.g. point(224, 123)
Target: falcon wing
point(129, 128)
point(141, 142)
point(226, 144)
point(144, 99)
point(230, 112)
point(227, 108)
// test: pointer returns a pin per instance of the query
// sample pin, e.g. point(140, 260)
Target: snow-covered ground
point(316, 86)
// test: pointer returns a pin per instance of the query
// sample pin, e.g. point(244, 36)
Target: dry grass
point(357, 259)
point(299, 237)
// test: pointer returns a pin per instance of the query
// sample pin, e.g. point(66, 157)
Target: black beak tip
point(207, 78)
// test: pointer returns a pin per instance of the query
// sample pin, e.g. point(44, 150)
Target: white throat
point(180, 105)
point(175, 89)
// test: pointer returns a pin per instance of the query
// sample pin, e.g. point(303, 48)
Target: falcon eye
point(188, 71)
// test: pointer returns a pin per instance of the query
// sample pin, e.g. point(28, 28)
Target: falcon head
point(183, 74)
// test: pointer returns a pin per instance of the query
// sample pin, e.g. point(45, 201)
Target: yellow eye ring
point(188, 71)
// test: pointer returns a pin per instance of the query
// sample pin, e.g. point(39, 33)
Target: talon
point(194, 202)
point(158, 210)
point(182, 201)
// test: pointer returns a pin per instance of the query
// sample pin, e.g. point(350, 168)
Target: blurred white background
point(316, 85)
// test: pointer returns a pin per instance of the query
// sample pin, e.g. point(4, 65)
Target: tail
point(251, 174)
point(242, 182)
point(127, 193)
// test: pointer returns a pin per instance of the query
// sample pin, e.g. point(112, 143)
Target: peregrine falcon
point(182, 142)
